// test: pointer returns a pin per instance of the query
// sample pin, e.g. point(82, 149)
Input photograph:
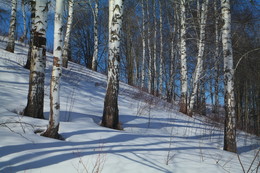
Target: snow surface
point(156, 137)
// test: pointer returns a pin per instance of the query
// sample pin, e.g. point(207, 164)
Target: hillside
point(156, 137)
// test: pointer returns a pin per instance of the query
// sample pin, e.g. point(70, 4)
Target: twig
point(241, 163)
point(4, 125)
point(253, 160)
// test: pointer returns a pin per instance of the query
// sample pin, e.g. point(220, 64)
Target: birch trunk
point(198, 10)
point(144, 47)
point(161, 54)
point(184, 82)
point(66, 47)
point(174, 29)
point(216, 88)
point(136, 70)
point(33, 10)
point(129, 56)
point(199, 66)
point(95, 53)
point(172, 73)
point(155, 49)
point(35, 102)
point(12, 28)
point(23, 37)
point(54, 118)
point(230, 119)
point(110, 113)
point(150, 69)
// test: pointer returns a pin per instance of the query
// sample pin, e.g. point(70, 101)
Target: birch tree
point(33, 10)
point(150, 59)
point(144, 46)
point(110, 113)
point(173, 53)
point(95, 53)
point(184, 82)
point(11, 35)
point(66, 47)
point(35, 101)
point(155, 48)
point(230, 119)
point(216, 88)
point(201, 47)
point(54, 118)
point(161, 58)
point(23, 37)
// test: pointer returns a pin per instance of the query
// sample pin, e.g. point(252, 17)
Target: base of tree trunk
point(65, 62)
point(190, 113)
point(27, 65)
point(231, 148)
point(116, 127)
point(94, 65)
point(52, 132)
point(183, 108)
point(9, 49)
point(22, 38)
point(30, 112)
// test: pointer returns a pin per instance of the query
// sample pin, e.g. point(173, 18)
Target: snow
point(156, 137)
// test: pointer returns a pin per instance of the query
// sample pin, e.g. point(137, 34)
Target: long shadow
point(111, 146)
point(157, 123)
point(247, 148)
point(66, 150)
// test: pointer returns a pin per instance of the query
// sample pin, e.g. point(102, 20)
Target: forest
point(201, 56)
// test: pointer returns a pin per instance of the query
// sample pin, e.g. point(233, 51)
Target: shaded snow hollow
point(156, 137)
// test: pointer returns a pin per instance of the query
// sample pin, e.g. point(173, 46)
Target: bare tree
point(11, 36)
point(66, 47)
point(54, 118)
point(95, 53)
point(110, 114)
point(150, 58)
point(184, 77)
point(33, 10)
point(35, 102)
point(230, 119)
point(201, 47)
point(23, 37)
point(161, 58)
point(155, 76)
point(144, 47)
point(216, 67)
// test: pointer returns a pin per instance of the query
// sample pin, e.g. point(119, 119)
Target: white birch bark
point(230, 119)
point(198, 11)
point(155, 48)
point(144, 47)
point(35, 102)
point(135, 68)
point(66, 47)
point(183, 49)
point(161, 58)
point(11, 35)
point(54, 118)
point(199, 66)
point(110, 113)
point(150, 69)
point(95, 53)
point(216, 88)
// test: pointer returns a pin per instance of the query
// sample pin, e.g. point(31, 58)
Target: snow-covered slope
point(156, 137)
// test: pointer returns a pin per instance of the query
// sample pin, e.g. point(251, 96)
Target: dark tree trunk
point(28, 62)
